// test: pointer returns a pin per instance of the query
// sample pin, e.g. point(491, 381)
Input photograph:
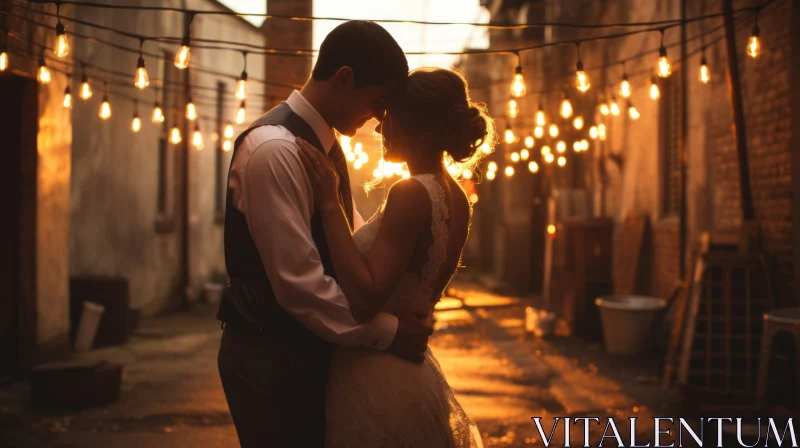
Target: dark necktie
point(336, 155)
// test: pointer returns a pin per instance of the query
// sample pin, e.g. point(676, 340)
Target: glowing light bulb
point(578, 122)
point(705, 74)
point(467, 174)
point(509, 171)
point(490, 175)
point(593, 132)
point(753, 43)
point(549, 157)
point(518, 85)
point(581, 78)
point(604, 109)
point(533, 167)
point(351, 157)
point(197, 138)
point(3, 61)
point(175, 135)
point(228, 131)
point(492, 166)
point(377, 173)
point(663, 69)
point(43, 74)
point(136, 124)
point(67, 98)
point(105, 108)
point(512, 108)
point(62, 43)
point(515, 157)
point(227, 145)
point(632, 112)
point(625, 87)
point(566, 108)
point(614, 107)
point(576, 146)
point(485, 148)
point(524, 154)
point(529, 142)
point(540, 117)
point(158, 114)
point(546, 150)
point(86, 89)
point(562, 161)
point(553, 130)
point(182, 56)
point(240, 114)
point(538, 132)
point(241, 87)
point(141, 80)
point(561, 146)
point(473, 198)
point(601, 131)
point(191, 110)
point(509, 135)
point(655, 92)
point(584, 145)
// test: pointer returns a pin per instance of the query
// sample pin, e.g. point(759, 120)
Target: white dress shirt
point(270, 186)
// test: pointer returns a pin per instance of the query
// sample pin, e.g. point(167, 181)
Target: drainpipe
point(184, 231)
point(682, 155)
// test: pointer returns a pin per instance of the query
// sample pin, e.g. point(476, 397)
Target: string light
point(240, 114)
point(197, 137)
point(753, 43)
point(512, 108)
point(229, 131)
point(515, 157)
point(62, 43)
point(663, 68)
point(3, 59)
point(67, 97)
point(593, 132)
point(546, 150)
point(191, 110)
point(227, 146)
point(467, 174)
point(533, 167)
point(655, 92)
point(158, 113)
point(581, 78)
point(485, 148)
point(241, 84)
point(613, 106)
point(473, 198)
point(553, 130)
point(86, 88)
point(141, 80)
point(604, 108)
point(705, 75)
point(509, 135)
point(561, 146)
point(538, 132)
point(576, 146)
point(491, 175)
point(105, 106)
point(529, 142)
point(509, 171)
point(175, 135)
point(632, 112)
point(182, 56)
point(540, 117)
point(492, 166)
point(43, 74)
point(136, 124)
point(578, 122)
point(601, 131)
point(562, 161)
point(518, 84)
point(584, 145)
point(625, 85)
point(566, 107)
point(524, 154)
point(549, 157)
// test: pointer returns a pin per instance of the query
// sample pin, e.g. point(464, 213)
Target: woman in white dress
point(402, 258)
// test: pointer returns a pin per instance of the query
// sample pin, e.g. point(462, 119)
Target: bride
point(403, 257)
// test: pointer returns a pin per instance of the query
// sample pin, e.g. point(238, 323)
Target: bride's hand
point(322, 173)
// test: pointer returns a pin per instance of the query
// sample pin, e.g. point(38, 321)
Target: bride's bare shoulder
point(408, 199)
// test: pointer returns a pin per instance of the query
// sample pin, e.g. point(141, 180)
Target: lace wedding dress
point(375, 399)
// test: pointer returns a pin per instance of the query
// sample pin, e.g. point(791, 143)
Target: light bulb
point(518, 85)
point(512, 108)
point(593, 132)
point(561, 146)
point(175, 135)
point(228, 131)
point(604, 109)
point(553, 130)
point(473, 198)
point(227, 145)
point(529, 142)
point(753, 43)
point(524, 154)
point(515, 157)
point(377, 173)
point(509, 171)
point(578, 122)
point(705, 74)
point(492, 166)
point(490, 175)
point(601, 131)
point(632, 112)
point(43, 75)
point(538, 132)
point(584, 145)
point(105, 108)
point(549, 157)
point(3, 61)
point(540, 118)
point(581, 78)
point(533, 167)
point(62, 43)
point(191, 110)
point(576, 146)
point(562, 161)
point(509, 136)
point(197, 139)
point(136, 124)
point(663, 69)
point(67, 98)
point(546, 150)
point(566, 108)
point(86, 89)
point(158, 113)
point(241, 87)
point(182, 56)
point(655, 92)
point(467, 174)
point(625, 87)
point(614, 107)
point(240, 114)
point(485, 148)
point(141, 80)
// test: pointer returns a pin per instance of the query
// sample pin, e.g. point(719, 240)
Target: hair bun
point(472, 129)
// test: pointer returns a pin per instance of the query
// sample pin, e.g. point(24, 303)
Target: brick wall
point(665, 258)
point(292, 35)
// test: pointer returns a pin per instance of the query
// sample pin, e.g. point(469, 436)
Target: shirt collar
point(306, 111)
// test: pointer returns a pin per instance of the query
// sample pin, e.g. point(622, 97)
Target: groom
point(283, 312)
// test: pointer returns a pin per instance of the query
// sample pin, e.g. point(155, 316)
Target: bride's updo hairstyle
point(435, 107)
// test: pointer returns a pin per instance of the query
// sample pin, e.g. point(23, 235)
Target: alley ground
point(172, 396)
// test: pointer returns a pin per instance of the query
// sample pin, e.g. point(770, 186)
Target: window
point(669, 137)
point(166, 153)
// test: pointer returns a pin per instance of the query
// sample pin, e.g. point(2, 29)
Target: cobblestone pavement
point(172, 396)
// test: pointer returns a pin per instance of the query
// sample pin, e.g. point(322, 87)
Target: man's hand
point(411, 340)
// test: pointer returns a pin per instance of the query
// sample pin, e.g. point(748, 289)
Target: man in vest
point(283, 312)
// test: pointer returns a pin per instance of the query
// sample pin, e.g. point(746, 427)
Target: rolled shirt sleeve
point(277, 200)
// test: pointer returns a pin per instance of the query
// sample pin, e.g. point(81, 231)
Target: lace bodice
point(413, 290)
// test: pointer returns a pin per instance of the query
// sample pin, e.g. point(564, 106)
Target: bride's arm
point(368, 282)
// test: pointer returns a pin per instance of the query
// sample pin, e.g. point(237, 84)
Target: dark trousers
point(275, 390)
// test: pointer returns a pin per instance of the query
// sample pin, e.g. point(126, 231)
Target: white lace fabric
point(375, 399)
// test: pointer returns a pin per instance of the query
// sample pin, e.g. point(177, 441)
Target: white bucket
point(539, 322)
point(628, 322)
point(87, 328)
point(213, 292)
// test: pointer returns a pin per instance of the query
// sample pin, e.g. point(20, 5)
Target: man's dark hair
point(367, 48)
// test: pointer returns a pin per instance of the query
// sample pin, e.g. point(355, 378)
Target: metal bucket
point(628, 322)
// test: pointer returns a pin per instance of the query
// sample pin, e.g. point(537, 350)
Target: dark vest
point(249, 301)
